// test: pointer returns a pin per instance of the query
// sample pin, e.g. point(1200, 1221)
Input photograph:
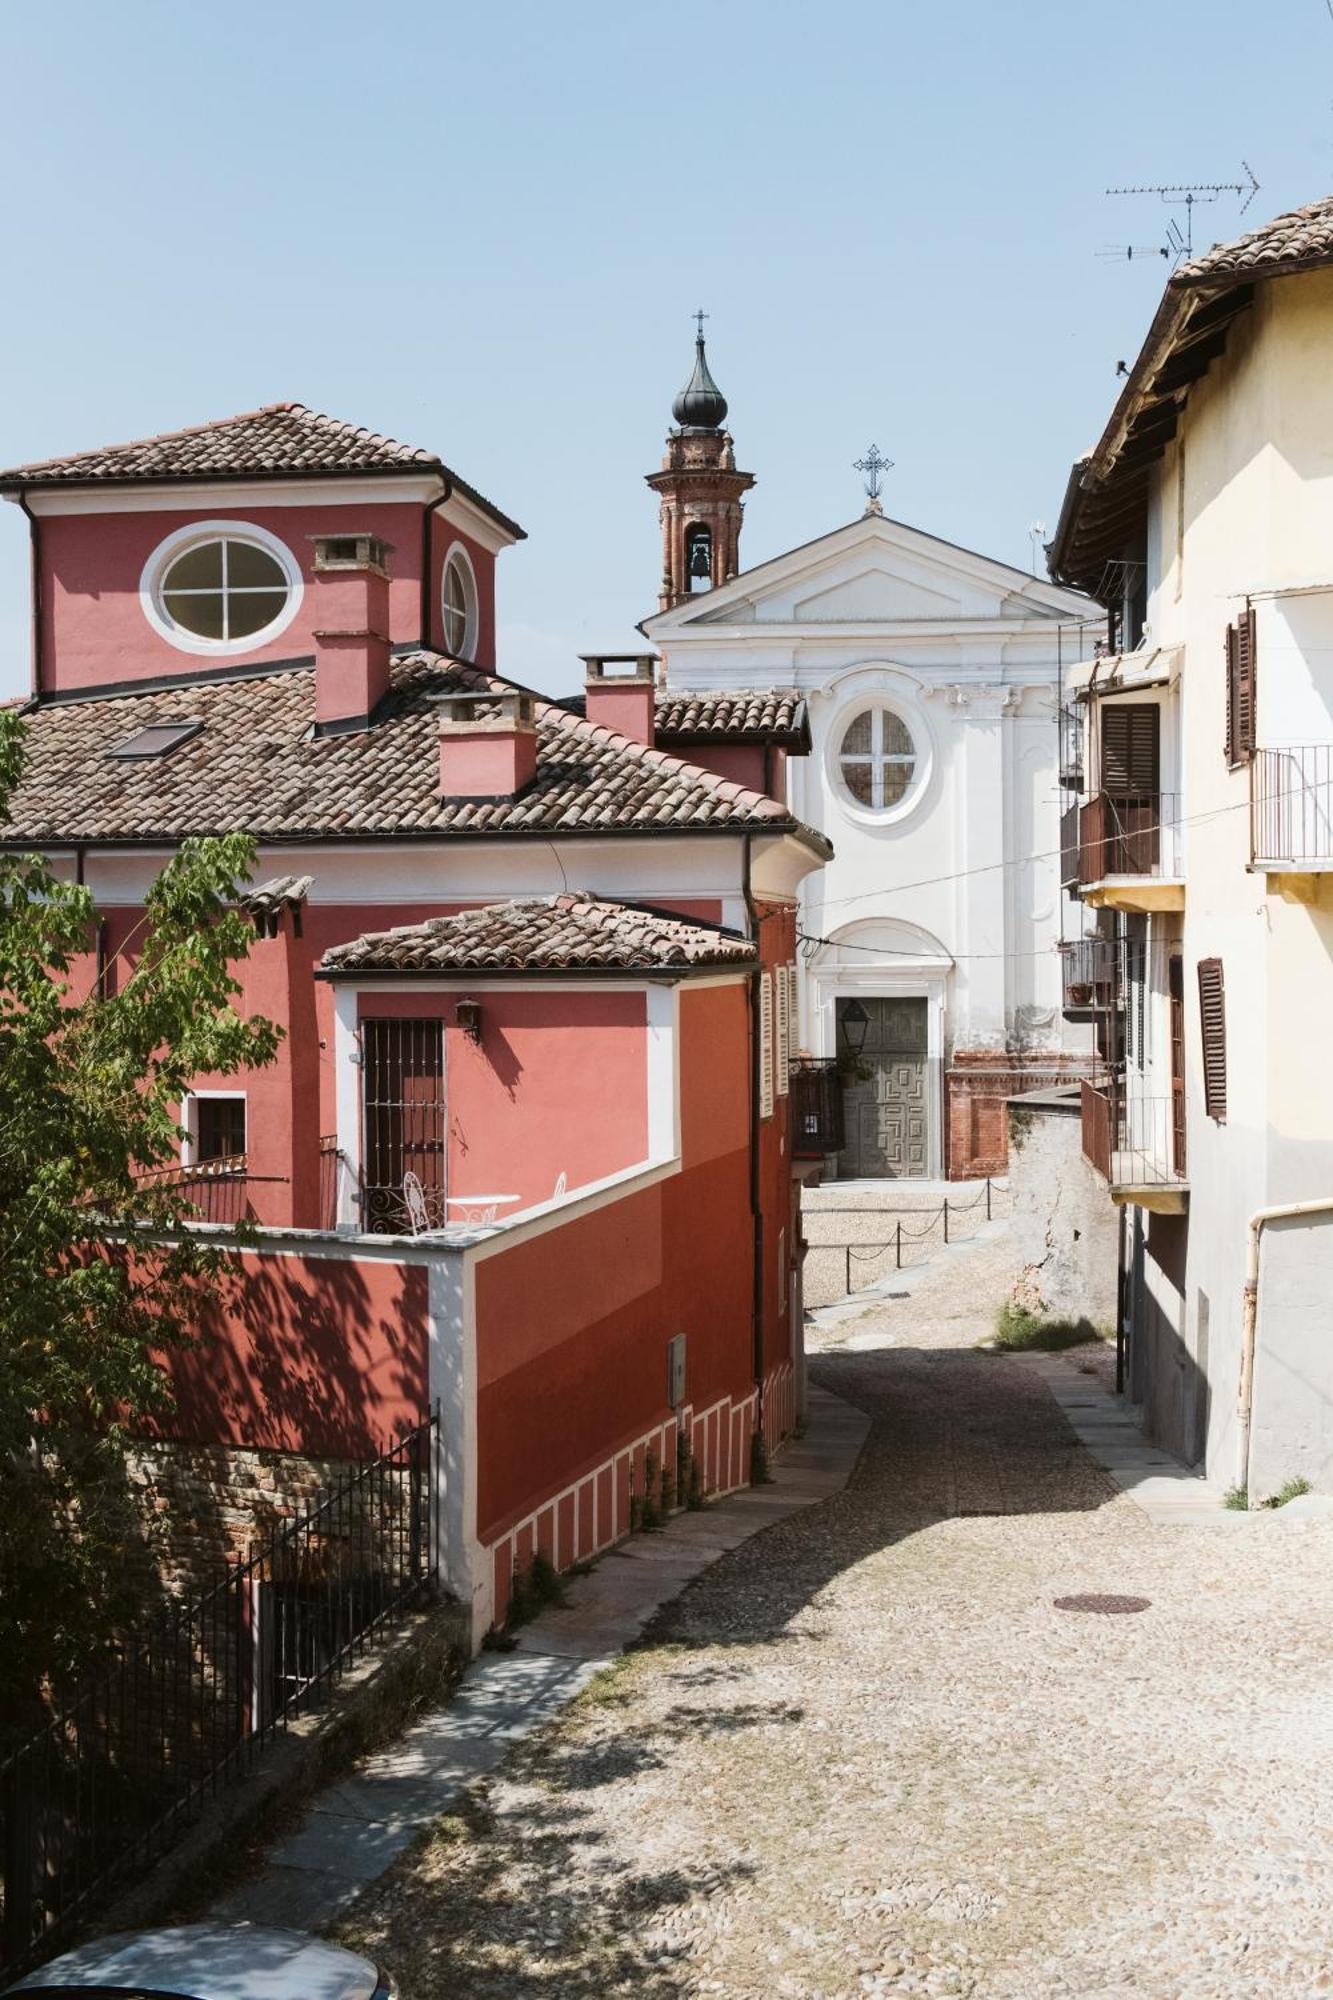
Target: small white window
point(458, 604)
point(877, 758)
point(220, 587)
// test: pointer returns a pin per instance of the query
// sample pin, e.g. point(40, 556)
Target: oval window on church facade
point(877, 759)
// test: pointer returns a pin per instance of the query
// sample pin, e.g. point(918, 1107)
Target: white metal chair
point(414, 1200)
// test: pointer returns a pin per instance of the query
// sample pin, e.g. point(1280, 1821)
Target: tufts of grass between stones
point(1018, 1331)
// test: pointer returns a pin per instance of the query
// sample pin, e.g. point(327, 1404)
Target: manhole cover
point(1105, 1602)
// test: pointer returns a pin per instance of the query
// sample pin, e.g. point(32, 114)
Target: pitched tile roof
point(1295, 241)
point(569, 933)
point(738, 715)
point(280, 438)
point(1108, 487)
point(256, 765)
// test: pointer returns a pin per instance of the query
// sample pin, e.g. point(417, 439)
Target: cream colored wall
point(1257, 440)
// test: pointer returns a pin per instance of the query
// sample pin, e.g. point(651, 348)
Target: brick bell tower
point(700, 490)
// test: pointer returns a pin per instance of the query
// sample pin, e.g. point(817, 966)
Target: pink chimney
point(351, 630)
point(621, 692)
point(488, 745)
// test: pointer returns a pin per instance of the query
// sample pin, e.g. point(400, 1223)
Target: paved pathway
point(354, 1830)
point(870, 1751)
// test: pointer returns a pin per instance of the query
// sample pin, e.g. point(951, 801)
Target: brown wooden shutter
point(1131, 748)
point(1240, 651)
point(1213, 1030)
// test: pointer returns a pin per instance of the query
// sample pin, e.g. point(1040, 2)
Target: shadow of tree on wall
point(305, 1355)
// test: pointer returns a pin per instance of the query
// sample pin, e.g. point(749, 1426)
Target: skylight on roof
point(156, 738)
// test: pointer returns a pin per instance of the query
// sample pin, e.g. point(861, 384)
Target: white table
point(479, 1208)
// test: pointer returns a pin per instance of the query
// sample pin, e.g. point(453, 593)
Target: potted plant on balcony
point(1079, 992)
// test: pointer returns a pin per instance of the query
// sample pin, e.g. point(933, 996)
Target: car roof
point(210, 1962)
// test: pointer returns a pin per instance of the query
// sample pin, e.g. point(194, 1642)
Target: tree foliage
point(97, 1274)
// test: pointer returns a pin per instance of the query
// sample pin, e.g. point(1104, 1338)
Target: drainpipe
point(1259, 1221)
point(426, 594)
point(756, 1133)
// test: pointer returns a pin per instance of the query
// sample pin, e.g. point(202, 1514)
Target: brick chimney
point(621, 691)
point(351, 630)
point(488, 745)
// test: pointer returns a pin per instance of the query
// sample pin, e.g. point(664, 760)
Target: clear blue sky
point(483, 230)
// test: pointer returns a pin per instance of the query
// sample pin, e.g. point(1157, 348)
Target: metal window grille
point(404, 1116)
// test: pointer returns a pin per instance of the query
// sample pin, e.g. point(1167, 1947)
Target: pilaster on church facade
point(930, 674)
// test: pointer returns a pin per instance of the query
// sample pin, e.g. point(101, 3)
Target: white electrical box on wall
point(676, 1371)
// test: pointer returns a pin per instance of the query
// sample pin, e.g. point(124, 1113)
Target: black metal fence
point(187, 1705)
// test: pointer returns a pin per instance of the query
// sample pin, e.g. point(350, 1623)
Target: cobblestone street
point(867, 1753)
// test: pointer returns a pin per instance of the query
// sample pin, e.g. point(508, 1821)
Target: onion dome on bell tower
point(699, 489)
point(700, 406)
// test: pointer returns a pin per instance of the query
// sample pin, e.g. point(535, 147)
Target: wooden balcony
point(1137, 1144)
point(1129, 852)
point(1291, 809)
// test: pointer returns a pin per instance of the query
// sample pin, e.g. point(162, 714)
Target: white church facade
point(931, 680)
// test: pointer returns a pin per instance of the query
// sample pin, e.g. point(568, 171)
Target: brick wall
point(977, 1087)
point(207, 1505)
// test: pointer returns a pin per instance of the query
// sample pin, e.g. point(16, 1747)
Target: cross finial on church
point(873, 464)
point(699, 317)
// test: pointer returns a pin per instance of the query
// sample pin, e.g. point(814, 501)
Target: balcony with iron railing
point(1130, 852)
point(1091, 977)
point(816, 1107)
point(1136, 1142)
point(1291, 809)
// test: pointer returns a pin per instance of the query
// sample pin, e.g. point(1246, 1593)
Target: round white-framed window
point(458, 604)
point(879, 762)
point(220, 588)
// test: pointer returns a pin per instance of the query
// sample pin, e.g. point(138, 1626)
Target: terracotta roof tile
point(760, 715)
point(280, 438)
point(1302, 237)
point(569, 933)
point(256, 765)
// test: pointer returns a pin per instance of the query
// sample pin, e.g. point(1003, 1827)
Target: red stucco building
point(525, 1153)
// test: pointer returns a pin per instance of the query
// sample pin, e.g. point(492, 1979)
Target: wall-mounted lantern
point(468, 1016)
point(855, 1026)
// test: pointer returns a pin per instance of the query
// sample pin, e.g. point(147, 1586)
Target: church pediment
point(872, 572)
point(876, 596)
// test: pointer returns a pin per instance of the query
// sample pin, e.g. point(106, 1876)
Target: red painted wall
point(94, 630)
point(291, 1104)
point(748, 764)
point(310, 1354)
point(572, 1326)
point(557, 1085)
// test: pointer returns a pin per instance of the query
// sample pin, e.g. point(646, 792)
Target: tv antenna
point(1036, 537)
point(1178, 242)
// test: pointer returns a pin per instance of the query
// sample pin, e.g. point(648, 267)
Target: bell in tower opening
point(699, 489)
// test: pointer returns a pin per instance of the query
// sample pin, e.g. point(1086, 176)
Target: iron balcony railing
point(185, 1706)
point(1291, 806)
point(1133, 1140)
point(816, 1107)
point(218, 1190)
point(1091, 974)
point(1137, 835)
